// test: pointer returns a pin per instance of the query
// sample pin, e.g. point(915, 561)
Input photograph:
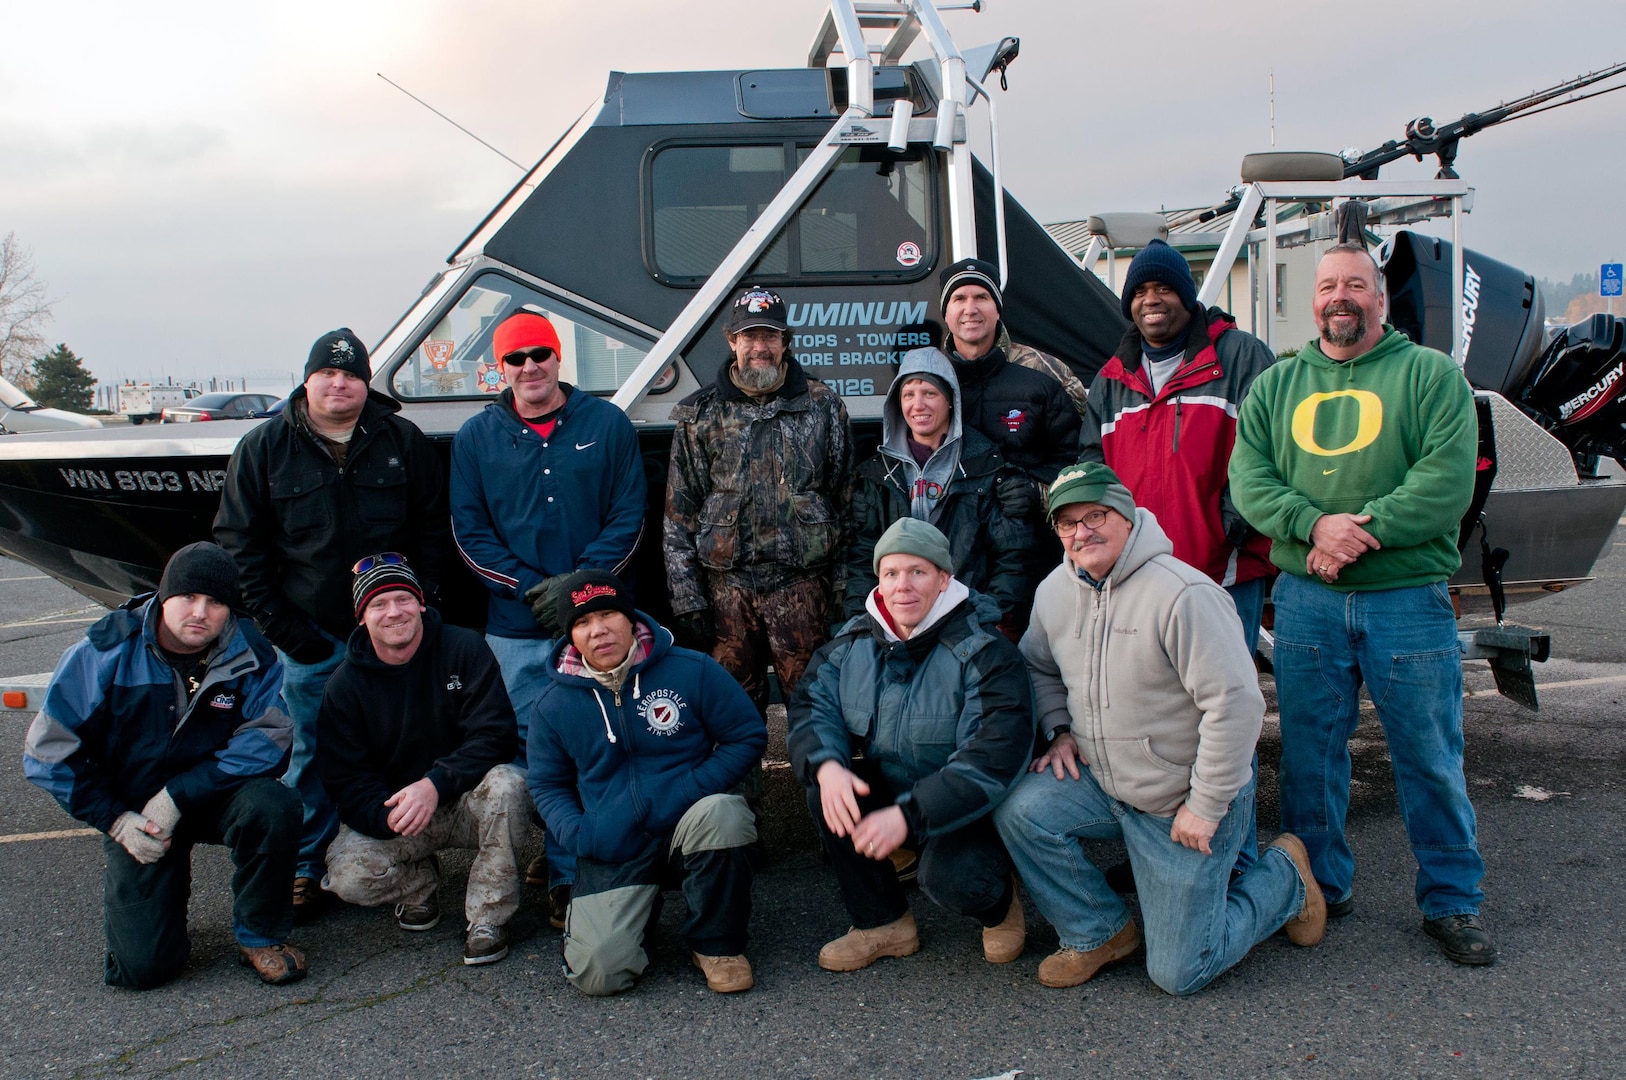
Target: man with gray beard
point(756, 505)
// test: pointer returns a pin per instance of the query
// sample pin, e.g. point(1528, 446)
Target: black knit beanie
point(1158, 261)
point(201, 568)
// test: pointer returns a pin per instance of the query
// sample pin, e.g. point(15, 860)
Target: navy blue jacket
point(526, 508)
point(611, 771)
point(116, 727)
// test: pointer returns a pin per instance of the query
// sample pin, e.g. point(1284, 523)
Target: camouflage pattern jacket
point(758, 489)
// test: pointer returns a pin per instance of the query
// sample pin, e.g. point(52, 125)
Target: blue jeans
point(524, 664)
point(302, 687)
point(1197, 920)
point(1403, 644)
point(1249, 598)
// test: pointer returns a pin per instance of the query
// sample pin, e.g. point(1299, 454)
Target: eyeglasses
point(383, 558)
point(1092, 521)
point(540, 353)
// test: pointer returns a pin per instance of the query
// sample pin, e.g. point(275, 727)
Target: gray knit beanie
point(911, 536)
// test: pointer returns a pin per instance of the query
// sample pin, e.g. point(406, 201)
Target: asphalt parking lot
point(1375, 999)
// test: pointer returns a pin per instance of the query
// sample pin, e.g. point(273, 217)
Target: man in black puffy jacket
point(335, 477)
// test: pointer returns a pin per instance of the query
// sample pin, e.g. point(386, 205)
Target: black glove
point(544, 601)
point(295, 635)
point(695, 630)
point(1018, 498)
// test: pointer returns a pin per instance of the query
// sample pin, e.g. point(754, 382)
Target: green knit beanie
point(911, 536)
point(1091, 482)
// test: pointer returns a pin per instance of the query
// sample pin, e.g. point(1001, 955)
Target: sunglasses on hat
point(384, 558)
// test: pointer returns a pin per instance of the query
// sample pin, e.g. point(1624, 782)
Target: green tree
point(61, 381)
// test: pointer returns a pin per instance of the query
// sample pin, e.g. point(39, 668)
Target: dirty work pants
point(966, 871)
point(710, 852)
point(1402, 643)
point(493, 819)
point(144, 905)
point(524, 666)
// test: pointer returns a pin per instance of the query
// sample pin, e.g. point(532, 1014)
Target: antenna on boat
point(450, 121)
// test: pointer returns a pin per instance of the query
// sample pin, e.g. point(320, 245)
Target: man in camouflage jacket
point(756, 505)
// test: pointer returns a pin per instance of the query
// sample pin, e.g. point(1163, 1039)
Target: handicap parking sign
point(1609, 280)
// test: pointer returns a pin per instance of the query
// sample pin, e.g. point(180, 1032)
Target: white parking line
point(57, 834)
point(47, 622)
point(1599, 681)
point(32, 577)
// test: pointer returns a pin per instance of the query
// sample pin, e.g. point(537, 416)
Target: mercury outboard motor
point(1502, 321)
point(1579, 393)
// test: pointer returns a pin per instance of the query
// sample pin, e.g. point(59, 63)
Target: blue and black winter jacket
point(610, 771)
point(945, 716)
point(525, 508)
point(116, 727)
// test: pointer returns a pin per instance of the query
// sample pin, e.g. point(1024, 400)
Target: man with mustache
point(1357, 458)
point(756, 505)
point(1141, 677)
point(164, 728)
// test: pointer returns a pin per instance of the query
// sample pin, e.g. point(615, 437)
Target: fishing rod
point(1424, 137)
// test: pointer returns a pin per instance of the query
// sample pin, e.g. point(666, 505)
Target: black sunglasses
point(540, 353)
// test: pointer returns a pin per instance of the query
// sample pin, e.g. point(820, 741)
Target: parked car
point(19, 412)
point(219, 407)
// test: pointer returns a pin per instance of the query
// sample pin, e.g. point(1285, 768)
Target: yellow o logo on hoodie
point(1369, 423)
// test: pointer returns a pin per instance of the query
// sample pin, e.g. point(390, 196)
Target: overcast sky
point(208, 187)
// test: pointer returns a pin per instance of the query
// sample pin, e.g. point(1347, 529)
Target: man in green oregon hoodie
point(1357, 458)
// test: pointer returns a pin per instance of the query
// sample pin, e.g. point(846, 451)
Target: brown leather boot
point(1003, 943)
point(725, 974)
point(1310, 924)
point(860, 948)
point(1073, 967)
point(274, 964)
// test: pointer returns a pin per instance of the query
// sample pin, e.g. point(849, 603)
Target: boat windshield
point(13, 398)
point(455, 360)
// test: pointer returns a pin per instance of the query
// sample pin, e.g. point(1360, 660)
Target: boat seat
point(1128, 230)
point(1288, 166)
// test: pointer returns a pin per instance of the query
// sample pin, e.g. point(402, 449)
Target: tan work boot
point(1003, 943)
point(860, 948)
point(274, 964)
point(1310, 924)
point(1072, 967)
point(725, 974)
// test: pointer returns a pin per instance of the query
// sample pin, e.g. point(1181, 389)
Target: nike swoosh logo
point(1324, 472)
point(585, 445)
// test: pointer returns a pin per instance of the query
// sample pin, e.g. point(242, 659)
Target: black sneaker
point(485, 944)
point(417, 917)
point(1339, 909)
point(1462, 939)
point(558, 906)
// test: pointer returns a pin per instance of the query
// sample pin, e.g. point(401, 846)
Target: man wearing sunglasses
point(417, 746)
point(546, 480)
point(1141, 676)
point(336, 476)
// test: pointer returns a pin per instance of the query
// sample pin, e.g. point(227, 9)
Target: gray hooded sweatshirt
point(928, 484)
point(1153, 675)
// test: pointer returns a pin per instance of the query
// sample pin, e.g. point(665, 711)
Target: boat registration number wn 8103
point(92, 480)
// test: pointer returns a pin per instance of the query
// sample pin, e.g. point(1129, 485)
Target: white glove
point(162, 811)
point(129, 830)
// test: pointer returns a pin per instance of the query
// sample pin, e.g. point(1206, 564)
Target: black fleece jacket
point(443, 715)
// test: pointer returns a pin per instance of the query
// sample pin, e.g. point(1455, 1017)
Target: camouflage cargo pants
point(494, 819)
point(756, 629)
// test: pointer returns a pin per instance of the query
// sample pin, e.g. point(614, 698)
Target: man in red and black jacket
point(1162, 415)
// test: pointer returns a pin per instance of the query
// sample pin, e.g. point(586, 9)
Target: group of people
point(1026, 621)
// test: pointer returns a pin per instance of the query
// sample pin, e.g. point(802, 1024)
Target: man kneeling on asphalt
point(635, 750)
point(939, 704)
point(1142, 674)
point(173, 706)
point(416, 740)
